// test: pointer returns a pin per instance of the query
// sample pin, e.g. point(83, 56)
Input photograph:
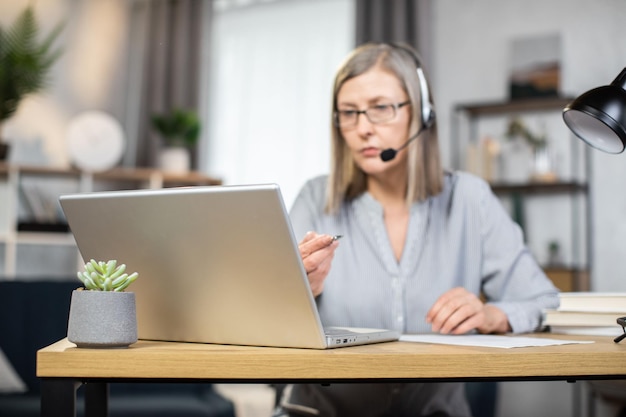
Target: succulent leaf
point(119, 271)
point(119, 280)
point(90, 284)
point(129, 280)
point(94, 265)
point(111, 266)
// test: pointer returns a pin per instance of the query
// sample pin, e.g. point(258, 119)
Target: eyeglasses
point(622, 322)
point(380, 113)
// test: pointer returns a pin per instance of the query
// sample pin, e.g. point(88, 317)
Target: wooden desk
point(62, 366)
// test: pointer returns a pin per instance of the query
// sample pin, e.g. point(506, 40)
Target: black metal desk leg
point(96, 399)
point(58, 397)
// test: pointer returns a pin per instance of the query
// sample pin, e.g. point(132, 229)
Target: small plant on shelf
point(179, 131)
point(106, 276)
point(178, 127)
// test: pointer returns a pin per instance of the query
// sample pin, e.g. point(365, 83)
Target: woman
point(419, 245)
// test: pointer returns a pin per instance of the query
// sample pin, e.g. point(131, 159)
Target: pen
point(336, 237)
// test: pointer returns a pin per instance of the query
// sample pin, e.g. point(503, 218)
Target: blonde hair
point(425, 175)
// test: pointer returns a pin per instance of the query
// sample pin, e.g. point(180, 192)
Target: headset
point(427, 111)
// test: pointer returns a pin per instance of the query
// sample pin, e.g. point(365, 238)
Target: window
point(268, 96)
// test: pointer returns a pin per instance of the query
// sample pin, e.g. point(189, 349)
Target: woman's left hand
point(459, 311)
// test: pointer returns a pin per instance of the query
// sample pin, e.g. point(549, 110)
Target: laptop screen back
point(215, 264)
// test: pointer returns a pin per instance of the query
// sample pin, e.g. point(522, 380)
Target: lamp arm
point(620, 80)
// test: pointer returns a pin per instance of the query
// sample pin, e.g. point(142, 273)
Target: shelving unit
point(572, 186)
point(13, 238)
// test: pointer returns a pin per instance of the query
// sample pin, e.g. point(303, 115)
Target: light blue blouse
point(461, 237)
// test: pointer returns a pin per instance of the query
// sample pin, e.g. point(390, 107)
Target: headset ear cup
point(429, 119)
point(427, 111)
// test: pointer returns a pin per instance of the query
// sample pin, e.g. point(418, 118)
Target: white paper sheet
point(486, 340)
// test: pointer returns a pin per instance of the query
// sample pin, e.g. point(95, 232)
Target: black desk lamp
point(599, 116)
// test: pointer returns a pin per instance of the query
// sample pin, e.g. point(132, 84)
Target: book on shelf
point(598, 302)
point(35, 226)
point(41, 205)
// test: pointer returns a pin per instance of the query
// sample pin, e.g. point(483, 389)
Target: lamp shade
point(599, 116)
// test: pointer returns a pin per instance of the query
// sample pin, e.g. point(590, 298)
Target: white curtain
point(268, 98)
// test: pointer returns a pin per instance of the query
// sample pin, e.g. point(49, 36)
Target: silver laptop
point(216, 265)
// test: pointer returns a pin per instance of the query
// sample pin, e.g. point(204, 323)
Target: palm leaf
point(24, 62)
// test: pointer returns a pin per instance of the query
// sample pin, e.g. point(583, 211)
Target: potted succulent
point(179, 131)
point(24, 64)
point(102, 314)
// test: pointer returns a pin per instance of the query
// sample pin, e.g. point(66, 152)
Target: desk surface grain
point(393, 360)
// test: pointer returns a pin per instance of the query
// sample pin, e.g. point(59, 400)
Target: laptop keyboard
point(332, 331)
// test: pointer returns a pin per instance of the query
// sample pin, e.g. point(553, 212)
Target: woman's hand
point(458, 311)
point(317, 252)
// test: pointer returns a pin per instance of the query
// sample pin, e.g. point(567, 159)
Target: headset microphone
point(390, 153)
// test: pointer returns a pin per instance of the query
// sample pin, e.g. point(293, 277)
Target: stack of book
point(591, 313)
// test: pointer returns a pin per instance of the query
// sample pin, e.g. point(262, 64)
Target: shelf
point(45, 238)
point(20, 233)
point(514, 106)
point(470, 125)
point(38, 170)
point(147, 174)
point(569, 279)
point(539, 188)
point(114, 174)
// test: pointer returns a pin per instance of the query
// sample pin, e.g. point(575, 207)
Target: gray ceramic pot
point(102, 319)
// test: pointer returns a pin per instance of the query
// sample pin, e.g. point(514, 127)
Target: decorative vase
point(175, 159)
point(102, 319)
point(542, 165)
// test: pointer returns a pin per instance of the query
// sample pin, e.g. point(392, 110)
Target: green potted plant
point(25, 62)
point(179, 131)
point(103, 314)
